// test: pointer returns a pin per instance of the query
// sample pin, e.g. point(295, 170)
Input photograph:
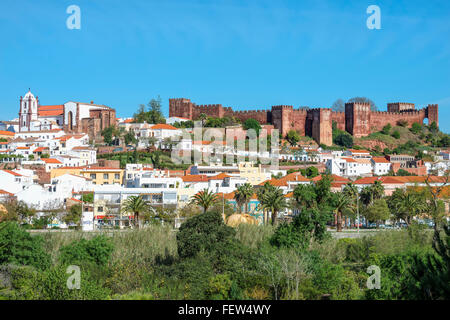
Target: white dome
point(28, 95)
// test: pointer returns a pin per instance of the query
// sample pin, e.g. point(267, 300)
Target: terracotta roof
point(421, 179)
point(383, 180)
point(335, 178)
point(7, 133)
point(128, 121)
point(40, 149)
point(289, 195)
point(380, 160)
point(163, 126)
point(76, 200)
point(13, 173)
point(348, 159)
point(220, 176)
point(6, 192)
point(4, 142)
point(195, 178)
point(48, 111)
point(51, 161)
point(23, 148)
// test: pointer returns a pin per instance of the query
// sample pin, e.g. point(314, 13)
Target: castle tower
point(28, 111)
point(357, 119)
point(432, 114)
point(321, 126)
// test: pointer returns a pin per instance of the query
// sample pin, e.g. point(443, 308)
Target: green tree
point(275, 201)
point(293, 137)
point(386, 129)
point(74, 215)
point(204, 232)
point(416, 128)
point(312, 172)
point(343, 139)
point(406, 205)
point(242, 195)
point(342, 202)
point(18, 247)
point(252, 124)
point(377, 211)
point(135, 205)
point(129, 138)
point(205, 199)
point(433, 273)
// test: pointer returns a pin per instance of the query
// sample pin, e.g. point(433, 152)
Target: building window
point(105, 176)
point(117, 176)
point(100, 209)
point(93, 176)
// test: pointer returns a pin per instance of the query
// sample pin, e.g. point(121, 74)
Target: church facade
point(72, 117)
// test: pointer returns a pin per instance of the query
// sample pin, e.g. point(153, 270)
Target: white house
point(380, 165)
point(13, 182)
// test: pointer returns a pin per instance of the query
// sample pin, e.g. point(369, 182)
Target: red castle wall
point(357, 119)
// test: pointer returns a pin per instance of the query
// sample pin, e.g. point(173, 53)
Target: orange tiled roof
point(13, 173)
point(220, 176)
point(7, 133)
point(380, 160)
point(51, 161)
point(383, 180)
point(163, 126)
point(48, 111)
point(335, 178)
point(195, 178)
point(6, 192)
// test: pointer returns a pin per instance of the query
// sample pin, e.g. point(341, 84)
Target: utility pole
point(357, 207)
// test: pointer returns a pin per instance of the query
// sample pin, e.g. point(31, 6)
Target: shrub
point(386, 129)
point(416, 128)
point(206, 231)
point(97, 250)
point(18, 247)
point(396, 134)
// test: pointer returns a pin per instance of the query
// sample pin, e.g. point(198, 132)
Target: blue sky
point(243, 54)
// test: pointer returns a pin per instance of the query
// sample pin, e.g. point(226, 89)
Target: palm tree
point(407, 205)
point(243, 194)
point(135, 205)
point(275, 201)
point(262, 195)
point(205, 199)
point(342, 201)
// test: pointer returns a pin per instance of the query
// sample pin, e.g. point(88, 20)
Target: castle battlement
point(357, 119)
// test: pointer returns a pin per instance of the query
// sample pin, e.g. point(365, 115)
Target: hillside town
point(54, 157)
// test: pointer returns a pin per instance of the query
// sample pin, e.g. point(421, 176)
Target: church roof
point(48, 111)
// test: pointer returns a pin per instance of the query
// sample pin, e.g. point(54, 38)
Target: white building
point(381, 166)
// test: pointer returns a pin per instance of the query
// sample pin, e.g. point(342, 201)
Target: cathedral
point(72, 117)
